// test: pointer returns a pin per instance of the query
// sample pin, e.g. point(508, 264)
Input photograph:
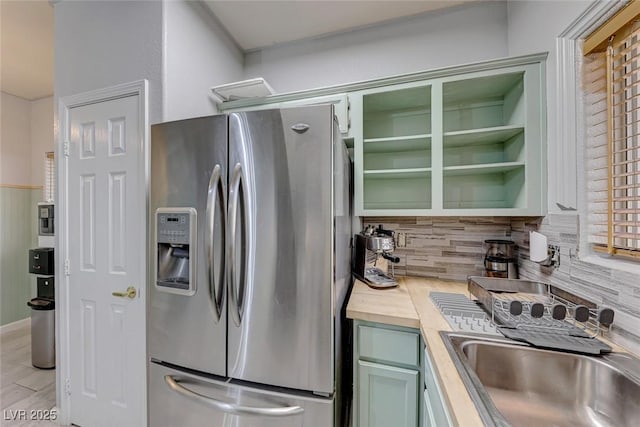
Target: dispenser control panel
point(174, 227)
point(175, 269)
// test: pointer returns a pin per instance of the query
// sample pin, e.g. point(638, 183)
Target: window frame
point(603, 38)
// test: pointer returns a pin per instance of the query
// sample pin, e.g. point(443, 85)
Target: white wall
point(534, 27)
point(104, 43)
point(15, 148)
point(535, 24)
point(459, 35)
point(197, 54)
point(27, 134)
point(177, 45)
point(41, 136)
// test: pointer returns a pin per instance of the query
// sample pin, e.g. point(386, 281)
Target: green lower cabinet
point(387, 395)
point(395, 381)
point(436, 412)
point(388, 379)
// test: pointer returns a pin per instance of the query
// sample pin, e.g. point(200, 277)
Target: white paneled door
point(106, 264)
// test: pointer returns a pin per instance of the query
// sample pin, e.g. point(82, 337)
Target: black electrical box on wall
point(45, 220)
point(41, 261)
point(46, 287)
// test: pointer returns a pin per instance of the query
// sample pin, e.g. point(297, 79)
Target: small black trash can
point(43, 333)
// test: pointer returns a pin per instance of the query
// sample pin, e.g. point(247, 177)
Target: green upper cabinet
point(484, 157)
point(462, 144)
point(396, 149)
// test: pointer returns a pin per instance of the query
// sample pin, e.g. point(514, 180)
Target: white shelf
point(385, 208)
point(417, 98)
point(397, 173)
point(495, 204)
point(480, 89)
point(481, 136)
point(398, 144)
point(422, 136)
point(252, 88)
point(482, 169)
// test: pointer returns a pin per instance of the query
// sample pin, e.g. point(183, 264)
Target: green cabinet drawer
point(389, 345)
point(387, 395)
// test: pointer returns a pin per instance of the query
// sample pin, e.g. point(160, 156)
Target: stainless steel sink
point(514, 384)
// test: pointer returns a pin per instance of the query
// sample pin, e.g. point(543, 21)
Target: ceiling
point(257, 24)
point(26, 48)
point(26, 30)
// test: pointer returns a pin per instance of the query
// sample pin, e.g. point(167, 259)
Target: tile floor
point(23, 387)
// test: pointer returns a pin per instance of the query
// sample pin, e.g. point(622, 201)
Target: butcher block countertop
point(391, 306)
point(409, 305)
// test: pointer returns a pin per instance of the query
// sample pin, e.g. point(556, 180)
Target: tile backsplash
point(443, 247)
point(452, 248)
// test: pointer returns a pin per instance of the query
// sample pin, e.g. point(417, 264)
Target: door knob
point(130, 293)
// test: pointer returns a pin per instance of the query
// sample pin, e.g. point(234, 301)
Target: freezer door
point(280, 248)
point(178, 398)
point(188, 170)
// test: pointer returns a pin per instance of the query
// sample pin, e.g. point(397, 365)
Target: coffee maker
point(373, 254)
point(500, 259)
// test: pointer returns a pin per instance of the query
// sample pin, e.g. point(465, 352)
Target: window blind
point(611, 84)
point(623, 71)
point(49, 177)
point(594, 87)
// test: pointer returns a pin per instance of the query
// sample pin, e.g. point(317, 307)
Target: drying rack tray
point(553, 341)
point(542, 314)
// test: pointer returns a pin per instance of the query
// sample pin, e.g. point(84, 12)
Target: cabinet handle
point(300, 127)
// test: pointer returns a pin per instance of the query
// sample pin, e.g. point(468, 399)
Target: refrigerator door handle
point(230, 408)
point(236, 295)
point(215, 190)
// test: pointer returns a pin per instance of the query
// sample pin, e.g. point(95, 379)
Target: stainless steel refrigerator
point(249, 217)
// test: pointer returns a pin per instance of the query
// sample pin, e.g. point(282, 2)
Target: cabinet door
point(436, 408)
point(387, 396)
point(340, 103)
point(427, 412)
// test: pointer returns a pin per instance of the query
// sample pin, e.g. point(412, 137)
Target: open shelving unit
point(469, 144)
point(397, 149)
point(483, 142)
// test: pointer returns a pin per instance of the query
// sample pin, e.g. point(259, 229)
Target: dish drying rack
point(542, 314)
point(549, 313)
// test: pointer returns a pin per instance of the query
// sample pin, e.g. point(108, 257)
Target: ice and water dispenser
point(175, 250)
point(42, 264)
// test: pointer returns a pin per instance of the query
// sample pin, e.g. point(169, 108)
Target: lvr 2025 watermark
point(30, 414)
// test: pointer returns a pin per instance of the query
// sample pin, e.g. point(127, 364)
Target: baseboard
point(18, 324)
